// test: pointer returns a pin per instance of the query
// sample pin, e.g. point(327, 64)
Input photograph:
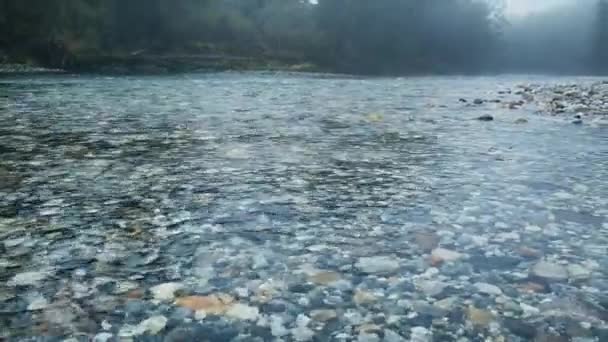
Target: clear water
point(228, 181)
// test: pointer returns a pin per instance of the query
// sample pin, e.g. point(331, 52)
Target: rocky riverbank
point(11, 68)
point(579, 103)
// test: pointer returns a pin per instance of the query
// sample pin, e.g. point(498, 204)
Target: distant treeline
point(356, 36)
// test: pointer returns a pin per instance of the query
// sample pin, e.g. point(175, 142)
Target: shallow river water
point(263, 207)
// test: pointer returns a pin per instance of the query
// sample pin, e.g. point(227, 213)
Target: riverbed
point(296, 207)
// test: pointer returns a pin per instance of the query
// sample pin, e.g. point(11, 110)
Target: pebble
point(367, 337)
point(392, 336)
point(153, 325)
point(578, 272)
point(38, 303)
point(421, 334)
point(363, 297)
point(440, 255)
point(212, 304)
point(243, 312)
point(103, 337)
point(427, 241)
point(529, 310)
point(277, 326)
point(486, 117)
point(431, 288)
point(479, 317)
point(323, 315)
point(28, 279)
point(377, 264)
point(301, 332)
point(325, 278)
point(488, 289)
point(165, 292)
point(550, 271)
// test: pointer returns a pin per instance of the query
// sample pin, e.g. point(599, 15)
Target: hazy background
point(353, 36)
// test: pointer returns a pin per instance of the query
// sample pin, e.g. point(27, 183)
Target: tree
point(601, 41)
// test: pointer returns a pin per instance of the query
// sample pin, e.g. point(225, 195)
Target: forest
point(372, 37)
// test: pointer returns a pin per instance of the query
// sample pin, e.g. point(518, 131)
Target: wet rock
point(421, 334)
point(212, 304)
point(103, 337)
point(462, 100)
point(39, 303)
point(301, 332)
point(529, 310)
point(209, 331)
point(486, 117)
point(377, 264)
point(487, 263)
point(521, 121)
point(9, 180)
point(578, 272)
point(243, 312)
point(325, 278)
point(529, 253)
point(392, 336)
point(431, 288)
point(28, 278)
point(363, 297)
point(277, 326)
point(479, 317)
point(301, 288)
point(165, 292)
point(520, 328)
point(153, 325)
point(488, 289)
point(181, 314)
point(367, 337)
point(323, 315)
point(274, 306)
point(427, 241)
point(549, 271)
point(577, 122)
point(441, 255)
point(478, 101)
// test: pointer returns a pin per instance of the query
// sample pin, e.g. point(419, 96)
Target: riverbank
point(141, 63)
point(579, 103)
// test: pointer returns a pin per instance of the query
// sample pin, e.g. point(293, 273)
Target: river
point(257, 206)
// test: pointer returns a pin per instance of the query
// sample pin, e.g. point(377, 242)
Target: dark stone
point(483, 263)
point(486, 117)
point(301, 288)
point(274, 306)
point(601, 334)
point(180, 314)
point(136, 309)
point(220, 283)
point(520, 328)
point(8, 211)
point(578, 116)
point(262, 332)
point(462, 100)
point(577, 122)
point(478, 101)
point(213, 332)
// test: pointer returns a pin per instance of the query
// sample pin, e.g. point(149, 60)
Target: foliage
point(380, 36)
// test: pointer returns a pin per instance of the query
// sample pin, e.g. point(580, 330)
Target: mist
point(385, 37)
point(559, 39)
